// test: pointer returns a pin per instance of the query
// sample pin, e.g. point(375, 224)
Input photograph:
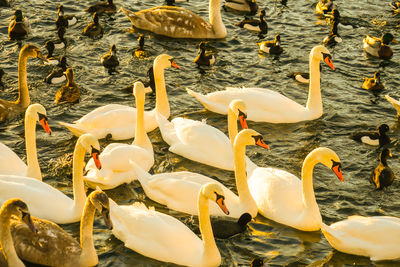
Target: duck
point(202, 59)
point(259, 25)
point(50, 59)
point(182, 23)
point(198, 141)
point(10, 162)
point(140, 52)
point(373, 84)
point(272, 47)
point(282, 197)
point(333, 36)
point(177, 190)
point(395, 103)
point(63, 21)
point(10, 109)
point(280, 109)
point(117, 122)
point(94, 29)
point(19, 26)
point(116, 158)
point(45, 201)
point(50, 245)
point(102, 7)
point(395, 6)
point(378, 138)
point(61, 42)
point(374, 237)
point(248, 6)
point(155, 234)
point(149, 85)
point(1, 77)
point(13, 210)
point(324, 7)
point(379, 47)
point(110, 59)
point(383, 175)
point(302, 77)
point(57, 75)
point(70, 92)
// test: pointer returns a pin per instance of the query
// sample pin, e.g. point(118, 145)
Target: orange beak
point(221, 204)
point(45, 124)
point(96, 157)
point(338, 173)
point(173, 64)
point(328, 61)
point(262, 144)
point(243, 122)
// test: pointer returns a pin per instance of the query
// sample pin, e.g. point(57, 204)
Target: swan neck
point(314, 102)
point(210, 248)
point(77, 177)
point(307, 181)
point(86, 231)
point(141, 138)
point(232, 126)
point(242, 186)
point(162, 104)
point(215, 18)
point(31, 153)
point(23, 98)
point(6, 241)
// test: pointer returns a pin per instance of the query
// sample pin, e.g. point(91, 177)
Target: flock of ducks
point(274, 193)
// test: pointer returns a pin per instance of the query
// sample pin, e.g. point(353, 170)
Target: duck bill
point(173, 64)
point(96, 158)
point(329, 62)
point(221, 204)
point(262, 144)
point(338, 173)
point(45, 124)
point(106, 217)
point(26, 218)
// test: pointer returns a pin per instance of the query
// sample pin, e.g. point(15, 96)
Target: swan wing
point(394, 102)
point(10, 163)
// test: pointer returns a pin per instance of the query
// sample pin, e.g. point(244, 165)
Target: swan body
point(119, 121)
point(50, 245)
point(46, 201)
point(163, 237)
point(10, 163)
point(8, 109)
point(394, 102)
point(249, 6)
point(282, 197)
point(116, 158)
point(69, 93)
point(178, 190)
point(178, 22)
point(375, 237)
point(265, 105)
point(379, 47)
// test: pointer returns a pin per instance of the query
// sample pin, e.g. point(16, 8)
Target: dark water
point(347, 108)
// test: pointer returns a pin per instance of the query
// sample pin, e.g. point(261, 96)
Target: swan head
point(214, 192)
point(91, 145)
point(165, 61)
point(238, 107)
point(18, 208)
point(38, 113)
point(248, 137)
point(30, 50)
point(138, 90)
point(321, 53)
point(100, 201)
point(329, 158)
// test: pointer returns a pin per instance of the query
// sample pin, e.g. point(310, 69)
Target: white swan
point(177, 190)
point(395, 103)
point(50, 245)
point(10, 163)
point(270, 106)
point(376, 237)
point(47, 202)
point(201, 142)
point(177, 22)
point(119, 121)
point(164, 238)
point(282, 197)
point(116, 167)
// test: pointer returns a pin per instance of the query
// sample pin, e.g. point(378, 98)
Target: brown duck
point(70, 92)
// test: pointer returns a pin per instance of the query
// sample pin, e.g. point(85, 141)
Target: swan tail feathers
point(395, 103)
point(167, 128)
point(330, 234)
point(142, 175)
point(73, 128)
point(209, 104)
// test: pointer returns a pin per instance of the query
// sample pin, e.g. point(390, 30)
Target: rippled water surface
point(347, 108)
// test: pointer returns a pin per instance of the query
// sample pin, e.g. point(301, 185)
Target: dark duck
point(383, 175)
point(377, 138)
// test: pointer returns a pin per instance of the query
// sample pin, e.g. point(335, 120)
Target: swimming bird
point(140, 52)
point(50, 59)
point(379, 47)
point(94, 29)
point(373, 84)
point(10, 109)
point(102, 7)
point(110, 59)
point(249, 6)
point(373, 138)
point(395, 103)
point(324, 7)
point(70, 92)
point(259, 25)
point(272, 47)
point(1, 77)
point(63, 21)
point(57, 75)
point(333, 36)
point(19, 27)
point(395, 6)
point(202, 59)
point(177, 22)
point(60, 42)
point(383, 175)
point(302, 77)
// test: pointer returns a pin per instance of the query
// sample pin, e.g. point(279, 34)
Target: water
point(347, 108)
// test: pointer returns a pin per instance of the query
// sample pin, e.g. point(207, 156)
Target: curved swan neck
point(23, 97)
point(232, 125)
point(307, 181)
point(88, 255)
point(314, 101)
point(215, 18)
point(77, 177)
point(6, 241)
point(141, 138)
point(30, 145)
point(162, 104)
point(210, 248)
